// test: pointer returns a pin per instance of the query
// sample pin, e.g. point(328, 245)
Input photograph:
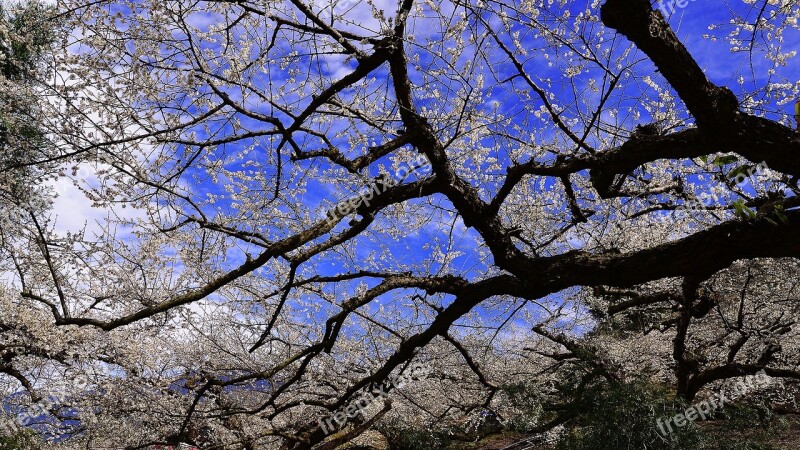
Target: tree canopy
point(288, 205)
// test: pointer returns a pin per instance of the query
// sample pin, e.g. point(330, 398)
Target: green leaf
point(724, 160)
point(742, 211)
point(741, 170)
point(781, 216)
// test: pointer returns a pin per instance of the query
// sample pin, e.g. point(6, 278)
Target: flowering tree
point(302, 201)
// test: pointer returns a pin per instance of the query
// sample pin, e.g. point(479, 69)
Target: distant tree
point(26, 34)
point(22, 440)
